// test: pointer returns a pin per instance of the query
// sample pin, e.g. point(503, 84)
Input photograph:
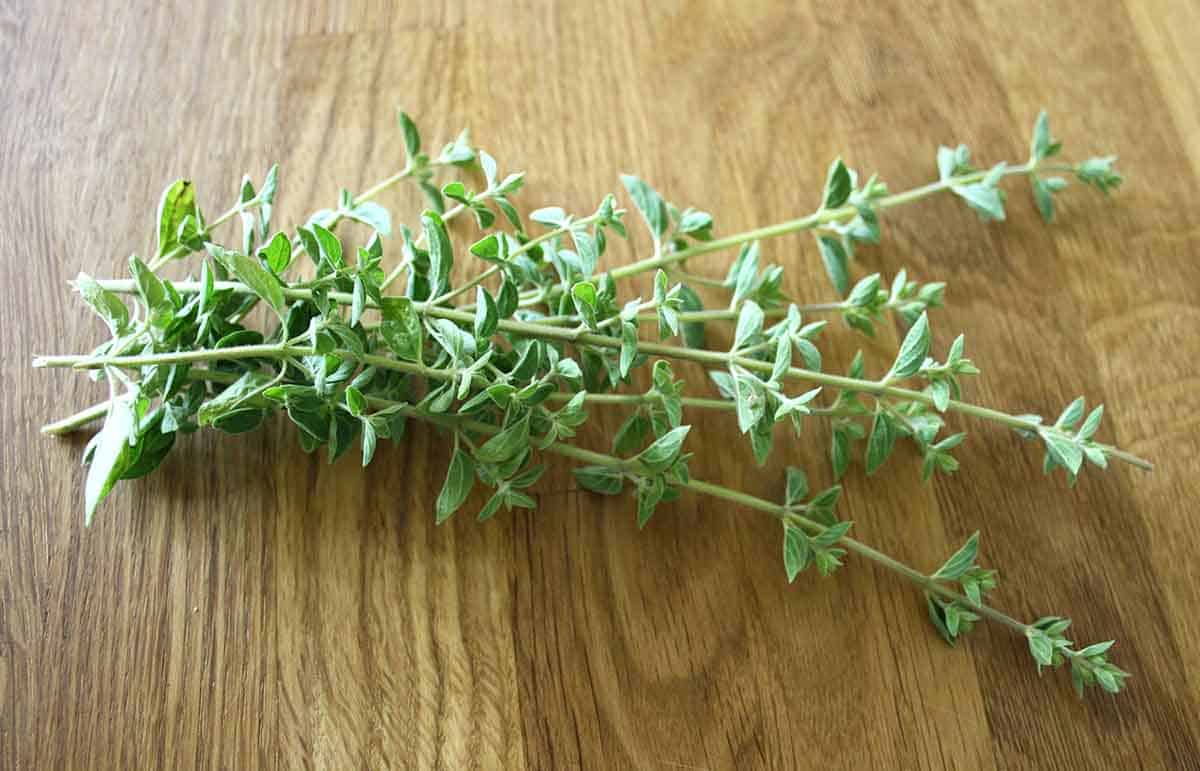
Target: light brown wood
point(251, 607)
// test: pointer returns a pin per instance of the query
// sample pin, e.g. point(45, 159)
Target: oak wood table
point(252, 607)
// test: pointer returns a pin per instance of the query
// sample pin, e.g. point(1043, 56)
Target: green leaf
point(372, 215)
point(153, 293)
point(586, 248)
point(505, 444)
point(401, 328)
point(251, 272)
point(486, 316)
point(693, 331)
point(865, 291)
point(1092, 424)
point(1063, 450)
point(839, 451)
point(836, 262)
point(1041, 647)
point(751, 402)
point(150, 287)
point(1042, 145)
point(507, 300)
point(1071, 415)
point(649, 204)
point(632, 433)
point(987, 200)
point(749, 324)
point(177, 202)
point(151, 448)
point(960, 562)
point(796, 551)
point(797, 486)
point(600, 479)
point(277, 253)
point(584, 292)
point(831, 535)
point(460, 477)
point(953, 161)
point(370, 438)
point(743, 270)
point(629, 347)
point(880, 442)
point(1043, 198)
point(329, 246)
point(550, 216)
point(491, 248)
point(913, 350)
point(441, 255)
point(1099, 173)
point(111, 457)
point(456, 191)
point(492, 506)
point(355, 401)
point(783, 359)
point(412, 138)
point(939, 391)
point(838, 185)
point(358, 301)
point(105, 303)
point(234, 395)
point(1095, 649)
point(660, 455)
point(697, 223)
point(648, 497)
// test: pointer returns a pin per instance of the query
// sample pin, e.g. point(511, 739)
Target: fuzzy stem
point(780, 512)
point(575, 337)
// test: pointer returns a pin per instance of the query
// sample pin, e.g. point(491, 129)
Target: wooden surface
point(250, 607)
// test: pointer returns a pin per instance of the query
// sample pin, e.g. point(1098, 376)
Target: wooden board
point(251, 607)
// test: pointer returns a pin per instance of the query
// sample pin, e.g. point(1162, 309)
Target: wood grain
point(250, 607)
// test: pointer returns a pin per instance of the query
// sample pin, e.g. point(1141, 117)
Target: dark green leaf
point(961, 561)
point(629, 347)
point(277, 253)
point(838, 185)
point(797, 486)
point(441, 255)
point(881, 441)
point(749, 325)
point(505, 444)
point(486, 316)
point(796, 551)
point(111, 457)
point(177, 202)
point(251, 272)
point(106, 304)
point(401, 328)
point(412, 138)
point(660, 455)
point(649, 204)
point(600, 479)
point(913, 350)
point(836, 263)
point(460, 477)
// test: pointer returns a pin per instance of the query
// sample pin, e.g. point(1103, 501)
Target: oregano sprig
point(510, 361)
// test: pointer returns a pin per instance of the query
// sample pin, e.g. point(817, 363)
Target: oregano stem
point(577, 337)
point(721, 492)
point(821, 217)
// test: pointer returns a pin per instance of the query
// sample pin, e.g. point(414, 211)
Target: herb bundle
point(510, 362)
